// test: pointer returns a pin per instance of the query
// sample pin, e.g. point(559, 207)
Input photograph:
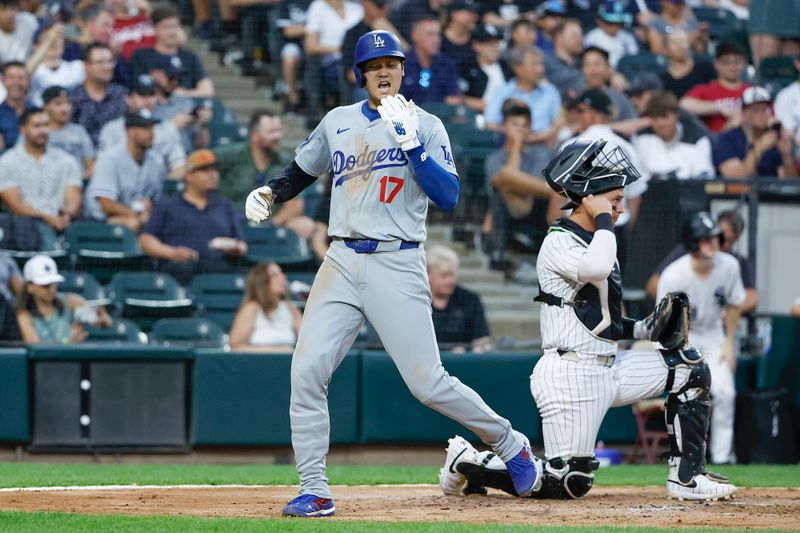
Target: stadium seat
point(479, 145)
point(196, 332)
point(720, 21)
point(145, 297)
point(634, 65)
point(85, 285)
point(451, 114)
point(278, 244)
point(122, 331)
point(173, 186)
point(217, 297)
point(103, 249)
point(49, 244)
point(776, 72)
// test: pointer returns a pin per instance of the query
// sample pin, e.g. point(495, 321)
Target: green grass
point(65, 522)
point(36, 475)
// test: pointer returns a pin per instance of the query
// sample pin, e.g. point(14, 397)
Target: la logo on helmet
point(377, 41)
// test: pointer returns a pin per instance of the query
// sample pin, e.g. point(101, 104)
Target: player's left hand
point(402, 121)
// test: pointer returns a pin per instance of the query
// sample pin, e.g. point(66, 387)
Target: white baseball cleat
point(701, 487)
point(451, 481)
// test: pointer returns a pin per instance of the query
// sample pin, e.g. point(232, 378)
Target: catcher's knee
point(567, 480)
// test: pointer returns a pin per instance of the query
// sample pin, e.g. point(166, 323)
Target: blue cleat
point(525, 472)
point(309, 506)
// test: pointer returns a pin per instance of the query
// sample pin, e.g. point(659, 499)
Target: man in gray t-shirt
point(128, 178)
point(68, 136)
point(518, 197)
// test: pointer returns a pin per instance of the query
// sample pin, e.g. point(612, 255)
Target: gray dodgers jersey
point(375, 193)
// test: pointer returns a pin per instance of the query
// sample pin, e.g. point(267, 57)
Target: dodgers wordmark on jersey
point(371, 174)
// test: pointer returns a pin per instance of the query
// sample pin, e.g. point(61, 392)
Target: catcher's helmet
point(582, 168)
point(377, 43)
point(698, 227)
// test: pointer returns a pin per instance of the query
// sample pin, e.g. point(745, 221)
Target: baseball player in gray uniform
point(581, 374)
point(388, 159)
point(714, 284)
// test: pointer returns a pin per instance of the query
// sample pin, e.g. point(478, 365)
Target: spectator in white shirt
point(48, 68)
point(787, 106)
point(16, 32)
point(610, 33)
point(665, 150)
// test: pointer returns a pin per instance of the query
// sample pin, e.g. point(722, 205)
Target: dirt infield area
point(642, 506)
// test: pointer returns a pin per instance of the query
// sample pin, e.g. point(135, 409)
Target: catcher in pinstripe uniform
point(581, 373)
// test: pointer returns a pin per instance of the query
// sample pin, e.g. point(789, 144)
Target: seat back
point(217, 297)
point(145, 286)
point(720, 21)
point(276, 243)
point(84, 284)
point(197, 332)
point(634, 65)
point(98, 238)
point(122, 331)
point(777, 72)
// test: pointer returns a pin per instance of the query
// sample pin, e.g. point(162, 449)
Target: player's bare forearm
point(733, 313)
point(289, 182)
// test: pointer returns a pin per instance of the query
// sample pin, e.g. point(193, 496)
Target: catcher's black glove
point(669, 323)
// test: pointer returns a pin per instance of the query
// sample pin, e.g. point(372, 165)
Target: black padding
point(694, 417)
point(480, 476)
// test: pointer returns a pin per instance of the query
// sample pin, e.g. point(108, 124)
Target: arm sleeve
point(87, 146)
point(72, 171)
point(493, 112)
point(313, 22)
point(440, 185)
point(561, 253)
point(8, 178)
point(157, 221)
point(290, 182)
point(480, 327)
point(103, 182)
point(724, 150)
point(598, 261)
point(313, 155)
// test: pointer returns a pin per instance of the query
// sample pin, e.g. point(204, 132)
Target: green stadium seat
point(122, 331)
point(146, 297)
point(196, 332)
point(217, 297)
point(776, 72)
point(278, 244)
point(172, 187)
point(103, 249)
point(85, 285)
point(634, 65)
point(49, 244)
point(720, 21)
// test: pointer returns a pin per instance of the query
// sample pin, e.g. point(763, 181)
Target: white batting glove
point(258, 205)
point(401, 119)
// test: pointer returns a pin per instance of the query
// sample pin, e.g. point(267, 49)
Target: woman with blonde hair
point(266, 320)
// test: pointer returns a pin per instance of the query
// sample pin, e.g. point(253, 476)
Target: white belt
point(599, 360)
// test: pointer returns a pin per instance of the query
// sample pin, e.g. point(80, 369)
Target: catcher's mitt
point(670, 321)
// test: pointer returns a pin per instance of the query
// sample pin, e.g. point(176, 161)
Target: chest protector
point(587, 304)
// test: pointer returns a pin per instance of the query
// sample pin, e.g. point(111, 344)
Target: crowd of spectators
point(103, 107)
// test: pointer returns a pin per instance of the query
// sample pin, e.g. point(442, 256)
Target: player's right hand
point(402, 121)
point(258, 205)
point(596, 205)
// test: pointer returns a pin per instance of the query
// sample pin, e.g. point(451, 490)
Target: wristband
point(603, 221)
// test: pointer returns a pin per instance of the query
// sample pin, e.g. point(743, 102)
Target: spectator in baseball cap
point(760, 146)
point(167, 140)
point(196, 230)
point(549, 15)
point(111, 195)
point(68, 136)
point(610, 33)
point(45, 315)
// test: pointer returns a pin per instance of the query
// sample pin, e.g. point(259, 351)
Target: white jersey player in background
point(581, 375)
point(388, 158)
point(714, 284)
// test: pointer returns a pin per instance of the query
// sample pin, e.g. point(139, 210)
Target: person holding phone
point(46, 316)
point(760, 146)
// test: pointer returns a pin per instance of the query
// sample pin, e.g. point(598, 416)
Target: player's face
point(617, 205)
point(708, 248)
point(383, 76)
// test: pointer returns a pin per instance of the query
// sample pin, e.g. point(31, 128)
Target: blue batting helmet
point(377, 43)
